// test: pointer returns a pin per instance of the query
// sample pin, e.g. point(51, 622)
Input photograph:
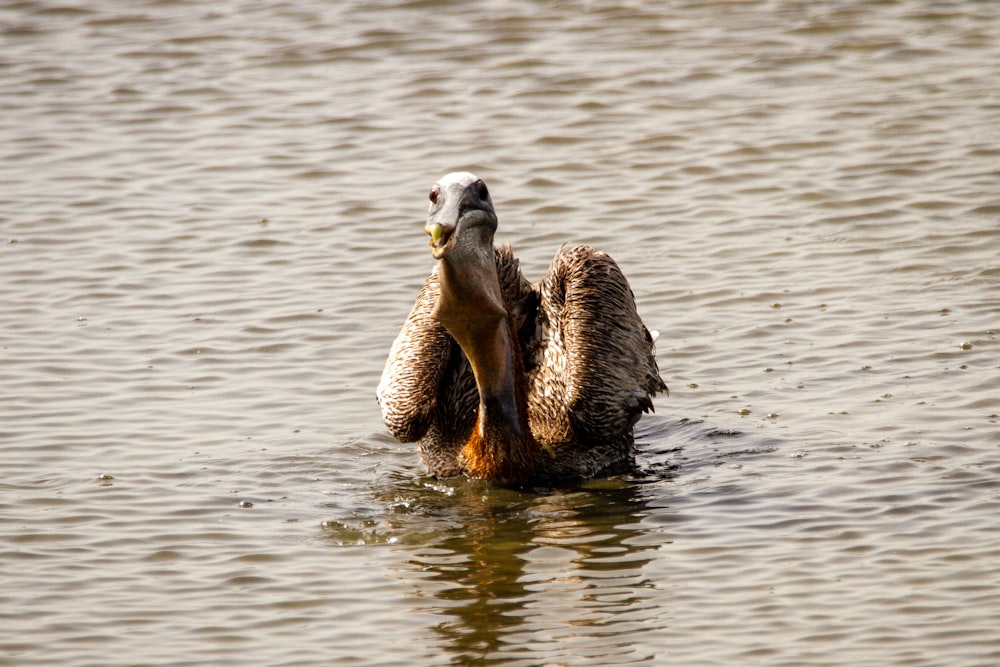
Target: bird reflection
point(540, 578)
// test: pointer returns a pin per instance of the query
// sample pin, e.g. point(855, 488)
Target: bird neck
point(471, 306)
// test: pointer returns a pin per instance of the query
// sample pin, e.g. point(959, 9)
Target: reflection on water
point(551, 576)
point(531, 578)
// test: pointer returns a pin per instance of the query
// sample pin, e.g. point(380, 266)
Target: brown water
point(211, 225)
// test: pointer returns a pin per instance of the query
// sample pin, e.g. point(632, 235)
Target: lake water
point(210, 216)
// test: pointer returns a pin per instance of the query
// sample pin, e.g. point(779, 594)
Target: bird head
point(461, 215)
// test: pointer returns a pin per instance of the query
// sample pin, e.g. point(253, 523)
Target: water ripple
point(210, 234)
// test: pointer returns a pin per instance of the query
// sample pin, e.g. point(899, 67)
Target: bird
point(515, 383)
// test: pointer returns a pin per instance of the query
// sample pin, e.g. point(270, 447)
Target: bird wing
point(408, 389)
point(427, 387)
point(590, 362)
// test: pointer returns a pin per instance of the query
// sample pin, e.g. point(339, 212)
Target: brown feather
point(589, 373)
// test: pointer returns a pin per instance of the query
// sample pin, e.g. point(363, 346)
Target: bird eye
point(433, 196)
point(481, 190)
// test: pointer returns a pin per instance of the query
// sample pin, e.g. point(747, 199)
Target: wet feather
point(589, 363)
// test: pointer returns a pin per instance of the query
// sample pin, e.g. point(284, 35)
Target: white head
point(460, 215)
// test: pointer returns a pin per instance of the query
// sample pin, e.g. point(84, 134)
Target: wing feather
point(409, 387)
point(427, 391)
point(594, 371)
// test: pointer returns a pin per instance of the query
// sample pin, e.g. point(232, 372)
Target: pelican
point(502, 380)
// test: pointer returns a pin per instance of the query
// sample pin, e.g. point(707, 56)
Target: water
point(210, 218)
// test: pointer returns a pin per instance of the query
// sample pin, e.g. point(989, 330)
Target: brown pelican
point(515, 383)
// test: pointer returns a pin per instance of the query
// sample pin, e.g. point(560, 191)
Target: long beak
point(441, 224)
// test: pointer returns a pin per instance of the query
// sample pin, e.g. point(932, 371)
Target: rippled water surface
point(210, 217)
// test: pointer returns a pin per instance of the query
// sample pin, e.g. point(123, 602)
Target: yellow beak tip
point(435, 232)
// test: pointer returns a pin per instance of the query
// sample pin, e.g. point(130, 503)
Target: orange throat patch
point(497, 455)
